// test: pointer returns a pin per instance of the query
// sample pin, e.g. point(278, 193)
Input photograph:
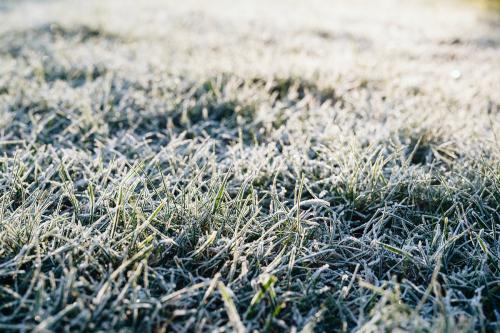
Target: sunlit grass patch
point(271, 171)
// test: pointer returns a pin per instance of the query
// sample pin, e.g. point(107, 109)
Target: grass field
point(225, 166)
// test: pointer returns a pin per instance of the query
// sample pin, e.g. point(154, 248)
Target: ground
point(278, 166)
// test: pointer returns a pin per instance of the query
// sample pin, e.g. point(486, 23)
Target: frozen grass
point(253, 166)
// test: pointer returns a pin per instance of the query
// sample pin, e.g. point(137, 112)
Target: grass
point(174, 177)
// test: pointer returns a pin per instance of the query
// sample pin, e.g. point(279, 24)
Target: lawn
point(243, 166)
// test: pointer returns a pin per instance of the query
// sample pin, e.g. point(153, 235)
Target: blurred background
point(444, 54)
